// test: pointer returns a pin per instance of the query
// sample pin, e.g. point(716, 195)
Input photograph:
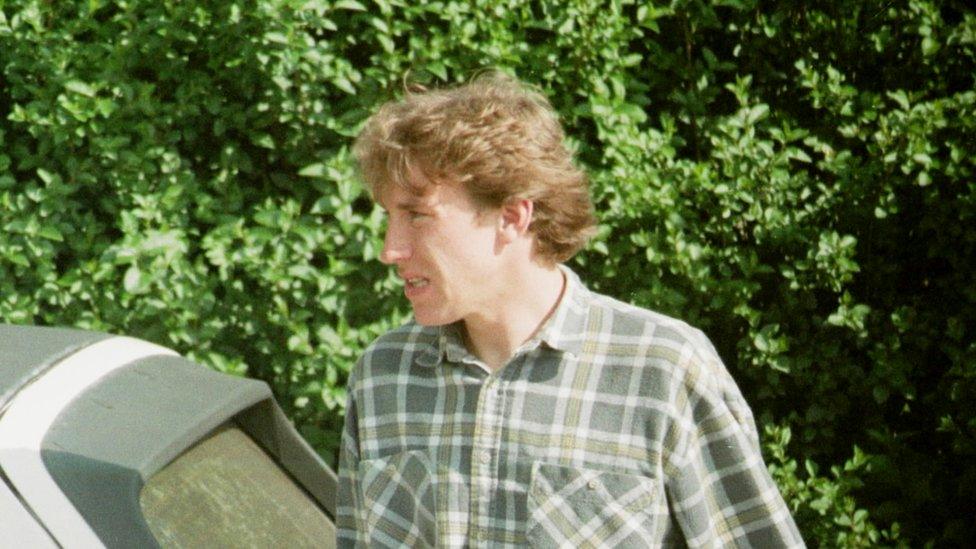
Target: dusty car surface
point(109, 441)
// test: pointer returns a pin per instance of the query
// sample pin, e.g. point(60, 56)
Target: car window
point(226, 491)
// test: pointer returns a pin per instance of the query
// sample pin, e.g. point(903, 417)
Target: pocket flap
point(590, 507)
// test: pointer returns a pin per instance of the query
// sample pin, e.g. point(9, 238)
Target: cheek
point(477, 256)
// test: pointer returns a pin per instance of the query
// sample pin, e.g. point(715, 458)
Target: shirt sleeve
point(349, 511)
point(720, 490)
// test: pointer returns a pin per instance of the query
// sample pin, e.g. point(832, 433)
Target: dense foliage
point(796, 179)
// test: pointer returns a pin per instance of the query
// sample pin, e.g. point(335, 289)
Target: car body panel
point(33, 411)
point(19, 527)
point(26, 354)
point(90, 421)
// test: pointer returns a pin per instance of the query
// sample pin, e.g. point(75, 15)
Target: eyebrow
point(403, 205)
point(403, 202)
point(409, 204)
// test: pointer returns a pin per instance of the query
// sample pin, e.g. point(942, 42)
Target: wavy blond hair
point(498, 139)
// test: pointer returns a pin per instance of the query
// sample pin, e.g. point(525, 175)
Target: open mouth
point(417, 282)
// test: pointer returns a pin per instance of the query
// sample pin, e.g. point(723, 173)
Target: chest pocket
point(579, 508)
point(400, 499)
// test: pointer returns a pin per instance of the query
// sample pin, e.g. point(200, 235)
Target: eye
point(415, 215)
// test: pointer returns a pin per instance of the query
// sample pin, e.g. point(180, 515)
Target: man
point(518, 408)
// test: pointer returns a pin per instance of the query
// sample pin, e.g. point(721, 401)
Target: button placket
point(485, 445)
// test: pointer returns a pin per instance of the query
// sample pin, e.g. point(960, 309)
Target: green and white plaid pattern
point(613, 427)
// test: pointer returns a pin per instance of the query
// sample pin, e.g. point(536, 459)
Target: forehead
point(412, 187)
point(393, 195)
point(429, 195)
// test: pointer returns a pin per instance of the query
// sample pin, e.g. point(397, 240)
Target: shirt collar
point(564, 331)
point(566, 328)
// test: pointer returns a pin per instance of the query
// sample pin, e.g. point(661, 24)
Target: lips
point(414, 285)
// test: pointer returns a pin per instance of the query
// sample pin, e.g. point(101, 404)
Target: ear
point(514, 219)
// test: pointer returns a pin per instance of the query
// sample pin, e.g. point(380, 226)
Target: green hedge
point(797, 180)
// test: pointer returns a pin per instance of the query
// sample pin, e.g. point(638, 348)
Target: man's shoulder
point(669, 342)
point(627, 321)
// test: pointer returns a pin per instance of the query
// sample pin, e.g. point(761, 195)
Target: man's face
point(445, 250)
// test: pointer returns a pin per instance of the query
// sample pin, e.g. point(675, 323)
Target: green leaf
point(757, 113)
point(349, 5)
point(268, 218)
point(18, 259)
point(79, 87)
point(380, 25)
point(135, 281)
point(51, 233)
point(45, 175)
point(344, 84)
point(263, 140)
point(900, 97)
point(276, 38)
point(313, 170)
point(801, 155)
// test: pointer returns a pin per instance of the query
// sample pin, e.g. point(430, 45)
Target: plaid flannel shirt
point(613, 427)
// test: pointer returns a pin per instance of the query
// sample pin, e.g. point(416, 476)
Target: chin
point(432, 319)
point(430, 322)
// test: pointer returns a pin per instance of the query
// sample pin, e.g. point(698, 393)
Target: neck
point(529, 300)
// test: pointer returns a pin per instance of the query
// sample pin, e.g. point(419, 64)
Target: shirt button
point(485, 457)
point(593, 484)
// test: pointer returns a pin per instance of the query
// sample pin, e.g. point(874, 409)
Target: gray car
point(109, 441)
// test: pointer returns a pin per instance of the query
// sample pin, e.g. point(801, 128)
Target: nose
point(395, 248)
